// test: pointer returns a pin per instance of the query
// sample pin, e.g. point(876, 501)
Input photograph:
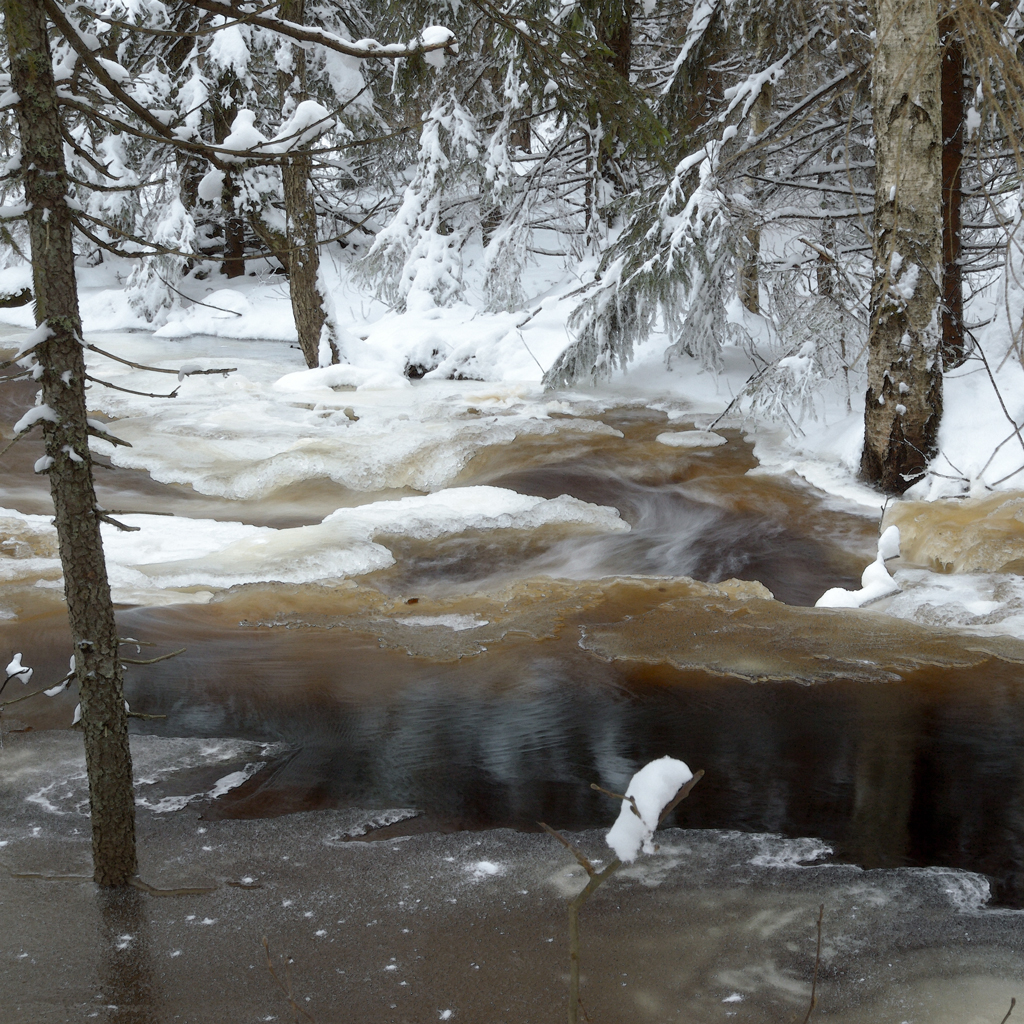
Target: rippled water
point(917, 764)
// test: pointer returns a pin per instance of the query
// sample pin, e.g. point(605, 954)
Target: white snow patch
point(652, 788)
point(692, 439)
point(485, 869)
point(875, 581)
point(457, 623)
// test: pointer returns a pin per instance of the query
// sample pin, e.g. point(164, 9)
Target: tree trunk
point(316, 337)
point(61, 359)
point(223, 116)
point(952, 196)
point(904, 394)
point(750, 288)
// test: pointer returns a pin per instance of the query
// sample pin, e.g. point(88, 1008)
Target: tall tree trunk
point(750, 290)
point(316, 337)
point(953, 353)
point(223, 114)
point(904, 394)
point(61, 359)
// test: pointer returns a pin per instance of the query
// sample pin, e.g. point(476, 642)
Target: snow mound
point(174, 552)
point(875, 582)
point(691, 439)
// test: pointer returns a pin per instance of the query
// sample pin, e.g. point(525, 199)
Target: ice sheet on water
point(259, 429)
point(176, 552)
point(58, 785)
point(691, 439)
point(986, 604)
point(745, 928)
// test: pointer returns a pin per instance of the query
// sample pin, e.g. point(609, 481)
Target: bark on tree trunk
point(952, 196)
point(308, 307)
point(750, 287)
point(61, 359)
point(904, 394)
point(223, 115)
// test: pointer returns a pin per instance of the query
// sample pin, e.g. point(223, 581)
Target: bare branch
point(683, 793)
point(160, 369)
point(152, 661)
point(104, 518)
point(817, 964)
point(97, 432)
point(130, 391)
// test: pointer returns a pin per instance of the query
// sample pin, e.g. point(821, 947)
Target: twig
point(597, 878)
point(1013, 1003)
point(129, 391)
point(130, 512)
point(152, 661)
point(160, 369)
point(25, 696)
point(1002, 405)
point(285, 988)
point(584, 863)
point(618, 796)
point(817, 964)
point(13, 441)
point(20, 356)
point(104, 518)
point(683, 793)
point(197, 302)
point(103, 435)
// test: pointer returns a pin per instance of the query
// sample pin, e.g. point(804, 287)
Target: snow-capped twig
point(596, 877)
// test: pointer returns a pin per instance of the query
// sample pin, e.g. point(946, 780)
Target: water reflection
point(126, 969)
point(929, 770)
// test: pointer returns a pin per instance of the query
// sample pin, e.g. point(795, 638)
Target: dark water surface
point(927, 770)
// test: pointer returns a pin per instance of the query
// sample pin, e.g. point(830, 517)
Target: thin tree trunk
point(904, 394)
point(952, 196)
point(61, 359)
point(750, 288)
point(223, 116)
point(316, 338)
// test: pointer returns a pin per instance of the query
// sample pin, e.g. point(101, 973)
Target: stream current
point(487, 677)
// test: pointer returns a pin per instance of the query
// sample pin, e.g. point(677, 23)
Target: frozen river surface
point(434, 615)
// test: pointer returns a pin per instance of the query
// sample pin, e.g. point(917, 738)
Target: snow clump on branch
point(652, 790)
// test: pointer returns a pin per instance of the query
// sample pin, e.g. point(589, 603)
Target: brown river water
point(895, 744)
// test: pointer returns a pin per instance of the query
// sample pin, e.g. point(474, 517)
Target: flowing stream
point(487, 677)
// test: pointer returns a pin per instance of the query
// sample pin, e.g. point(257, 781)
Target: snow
point(274, 425)
point(691, 439)
point(15, 670)
point(176, 552)
point(875, 582)
point(652, 789)
point(456, 623)
point(37, 414)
